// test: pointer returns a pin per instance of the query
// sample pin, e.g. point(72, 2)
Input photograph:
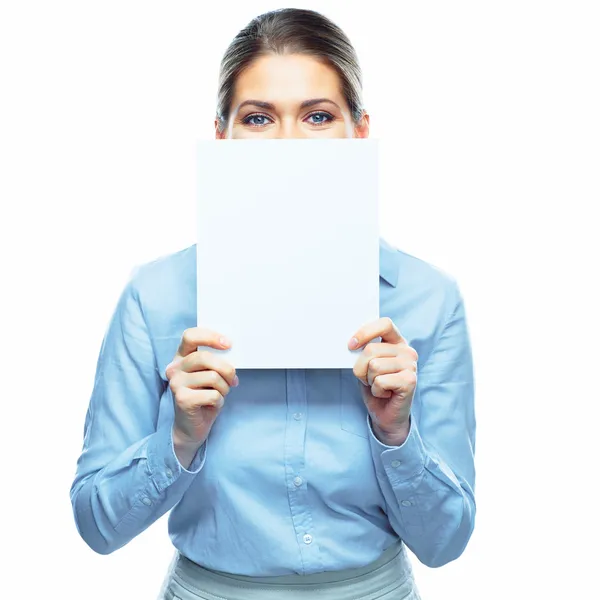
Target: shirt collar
point(388, 262)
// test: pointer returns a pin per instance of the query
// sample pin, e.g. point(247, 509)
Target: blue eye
point(322, 117)
point(262, 120)
point(317, 118)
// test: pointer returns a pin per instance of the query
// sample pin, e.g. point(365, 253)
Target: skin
point(387, 370)
point(285, 82)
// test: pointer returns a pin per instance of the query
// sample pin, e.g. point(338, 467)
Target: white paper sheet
point(288, 248)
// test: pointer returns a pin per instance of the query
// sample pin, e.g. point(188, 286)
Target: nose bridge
point(290, 128)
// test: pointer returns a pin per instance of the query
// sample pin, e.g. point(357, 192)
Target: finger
point(200, 336)
point(190, 340)
point(206, 360)
point(372, 351)
point(205, 380)
point(181, 382)
point(383, 365)
point(384, 385)
point(384, 328)
point(190, 398)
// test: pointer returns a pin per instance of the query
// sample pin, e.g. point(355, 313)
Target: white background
point(491, 110)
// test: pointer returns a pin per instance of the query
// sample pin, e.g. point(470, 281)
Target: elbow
point(88, 524)
point(441, 554)
point(440, 558)
point(99, 544)
point(91, 535)
point(99, 547)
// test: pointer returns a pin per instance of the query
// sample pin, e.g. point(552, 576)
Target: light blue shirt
point(291, 478)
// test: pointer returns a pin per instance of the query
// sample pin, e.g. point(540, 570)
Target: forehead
point(276, 78)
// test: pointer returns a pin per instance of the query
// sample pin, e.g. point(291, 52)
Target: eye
point(256, 120)
point(320, 118)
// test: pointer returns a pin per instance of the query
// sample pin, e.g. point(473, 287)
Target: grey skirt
point(389, 577)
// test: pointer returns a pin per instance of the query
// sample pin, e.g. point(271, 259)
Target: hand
point(388, 372)
point(199, 380)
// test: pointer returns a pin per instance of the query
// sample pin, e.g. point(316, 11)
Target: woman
point(315, 480)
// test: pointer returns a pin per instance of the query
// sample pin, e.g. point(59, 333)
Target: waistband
point(390, 571)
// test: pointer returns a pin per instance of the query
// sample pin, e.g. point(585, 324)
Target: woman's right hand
point(199, 381)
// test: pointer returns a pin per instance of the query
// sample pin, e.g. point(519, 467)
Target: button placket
point(294, 460)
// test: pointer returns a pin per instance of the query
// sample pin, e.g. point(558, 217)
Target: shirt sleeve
point(428, 482)
point(128, 474)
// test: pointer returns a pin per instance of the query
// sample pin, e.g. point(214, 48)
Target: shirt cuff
point(399, 463)
point(163, 464)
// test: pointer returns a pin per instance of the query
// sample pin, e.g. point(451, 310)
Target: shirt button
point(169, 472)
point(146, 501)
point(297, 416)
point(307, 538)
point(406, 503)
point(297, 481)
point(395, 463)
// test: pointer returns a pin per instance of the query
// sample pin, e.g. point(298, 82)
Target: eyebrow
point(270, 106)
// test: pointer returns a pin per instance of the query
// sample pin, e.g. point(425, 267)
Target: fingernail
point(224, 341)
point(353, 343)
point(236, 381)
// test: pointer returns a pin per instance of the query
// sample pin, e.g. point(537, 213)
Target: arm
point(128, 473)
point(428, 481)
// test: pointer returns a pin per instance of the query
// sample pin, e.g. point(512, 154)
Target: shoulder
point(163, 270)
point(165, 288)
point(423, 300)
point(421, 281)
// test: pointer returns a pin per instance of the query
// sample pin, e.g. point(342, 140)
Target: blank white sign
point(288, 248)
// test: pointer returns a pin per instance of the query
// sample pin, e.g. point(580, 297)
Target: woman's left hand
point(388, 372)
